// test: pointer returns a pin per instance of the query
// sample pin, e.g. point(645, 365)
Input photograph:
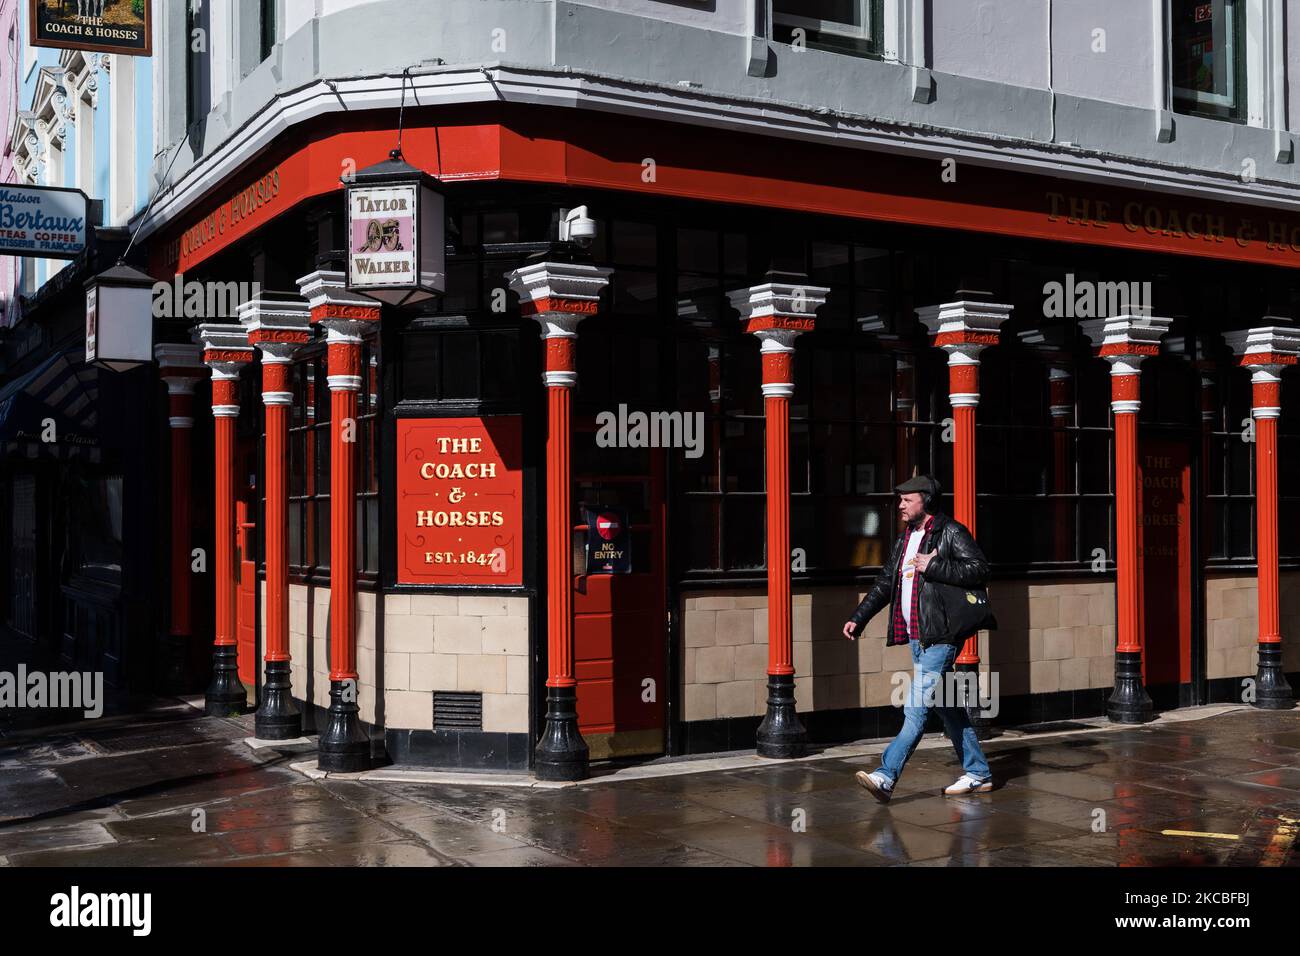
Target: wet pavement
point(172, 787)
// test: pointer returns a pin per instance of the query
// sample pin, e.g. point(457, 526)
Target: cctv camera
point(577, 227)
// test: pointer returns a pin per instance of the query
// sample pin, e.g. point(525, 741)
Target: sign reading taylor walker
point(109, 26)
point(459, 500)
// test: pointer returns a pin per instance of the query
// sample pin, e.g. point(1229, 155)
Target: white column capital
point(277, 325)
point(965, 327)
point(559, 295)
point(786, 301)
point(1125, 340)
point(332, 304)
point(1263, 346)
point(223, 344)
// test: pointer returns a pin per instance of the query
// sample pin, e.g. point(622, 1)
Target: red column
point(344, 745)
point(225, 351)
point(559, 295)
point(559, 547)
point(1124, 341)
point(778, 386)
point(278, 327)
point(180, 366)
point(963, 329)
point(777, 312)
point(1124, 390)
point(1266, 351)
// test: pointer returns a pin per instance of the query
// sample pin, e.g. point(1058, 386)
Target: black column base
point(225, 696)
point(562, 754)
point(781, 735)
point(1272, 690)
point(174, 673)
point(277, 716)
point(344, 746)
point(1129, 702)
point(974, 711)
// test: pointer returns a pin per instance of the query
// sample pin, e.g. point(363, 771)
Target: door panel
point(620, 620)
point(1164, 469)
point(245, 597)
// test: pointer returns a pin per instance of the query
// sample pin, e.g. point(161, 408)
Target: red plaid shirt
point(900, 631)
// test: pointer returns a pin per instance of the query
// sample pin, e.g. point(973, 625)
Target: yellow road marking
point(1195, 833)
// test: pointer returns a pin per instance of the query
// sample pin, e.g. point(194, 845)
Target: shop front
point(618, 500)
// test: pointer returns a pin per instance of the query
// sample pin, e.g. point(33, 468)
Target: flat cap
point(923, 484)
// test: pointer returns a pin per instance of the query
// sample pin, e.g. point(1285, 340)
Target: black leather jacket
point(958, 561)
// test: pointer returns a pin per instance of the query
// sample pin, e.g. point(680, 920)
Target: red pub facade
point(399, 490)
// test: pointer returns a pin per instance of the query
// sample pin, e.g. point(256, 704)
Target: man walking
point(932, 548)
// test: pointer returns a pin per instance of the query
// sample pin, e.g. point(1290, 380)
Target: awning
point(62, 389)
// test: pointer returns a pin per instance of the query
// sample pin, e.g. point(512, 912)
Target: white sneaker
point(875, 782)
point(968, 784)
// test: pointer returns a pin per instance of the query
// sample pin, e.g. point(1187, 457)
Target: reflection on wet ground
point(172, 787)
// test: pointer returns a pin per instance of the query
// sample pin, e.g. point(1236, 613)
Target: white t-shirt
point(909, 573)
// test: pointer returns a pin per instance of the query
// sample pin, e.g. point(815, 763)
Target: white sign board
point(384, 232)
point(43, 222)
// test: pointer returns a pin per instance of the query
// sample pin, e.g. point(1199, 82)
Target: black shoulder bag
point(967, 610)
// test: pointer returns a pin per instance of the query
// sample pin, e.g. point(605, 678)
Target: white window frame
point(830, 27)
point(1225, 100)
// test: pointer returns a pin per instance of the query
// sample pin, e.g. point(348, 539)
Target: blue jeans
point(930, 664)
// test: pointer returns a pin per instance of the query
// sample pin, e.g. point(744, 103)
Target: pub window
point(1230, 469)
point(198, 93)
point(267, 27)
point(1288, 468)
point(1043, 467)
point(97, 529)
point(858, 417)
point(459, 365)
point(309, 467)
point(309, 464)
point(369, 405)
point(1207, 60)
point(838, 26)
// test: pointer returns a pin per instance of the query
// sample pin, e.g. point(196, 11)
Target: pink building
point(10, 66)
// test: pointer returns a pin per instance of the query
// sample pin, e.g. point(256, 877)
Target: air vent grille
point(457, 710)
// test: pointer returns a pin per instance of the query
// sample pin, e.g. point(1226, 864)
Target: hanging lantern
point(395, 233)
point(119, 318)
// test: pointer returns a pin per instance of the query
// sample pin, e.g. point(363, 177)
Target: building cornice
point(448, 86)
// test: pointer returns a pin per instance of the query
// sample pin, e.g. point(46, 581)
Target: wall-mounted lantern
point(119, 318)
point(396, 232)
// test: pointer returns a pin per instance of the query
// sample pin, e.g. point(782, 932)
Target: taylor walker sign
point(43, 222)
point(460, 500)
point(76, 690)
point(383, 236)
point(110, 26)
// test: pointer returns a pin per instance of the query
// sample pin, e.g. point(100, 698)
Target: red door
point(245, 596)
point(1164, 469)
point(620, 620)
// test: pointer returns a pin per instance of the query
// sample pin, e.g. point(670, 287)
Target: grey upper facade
point(1175, 96)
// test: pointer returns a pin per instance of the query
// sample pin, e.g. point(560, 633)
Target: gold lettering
point(1054, 201)
point(1131, 211)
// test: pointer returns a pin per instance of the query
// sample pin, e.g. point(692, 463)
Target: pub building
point(410, 477)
